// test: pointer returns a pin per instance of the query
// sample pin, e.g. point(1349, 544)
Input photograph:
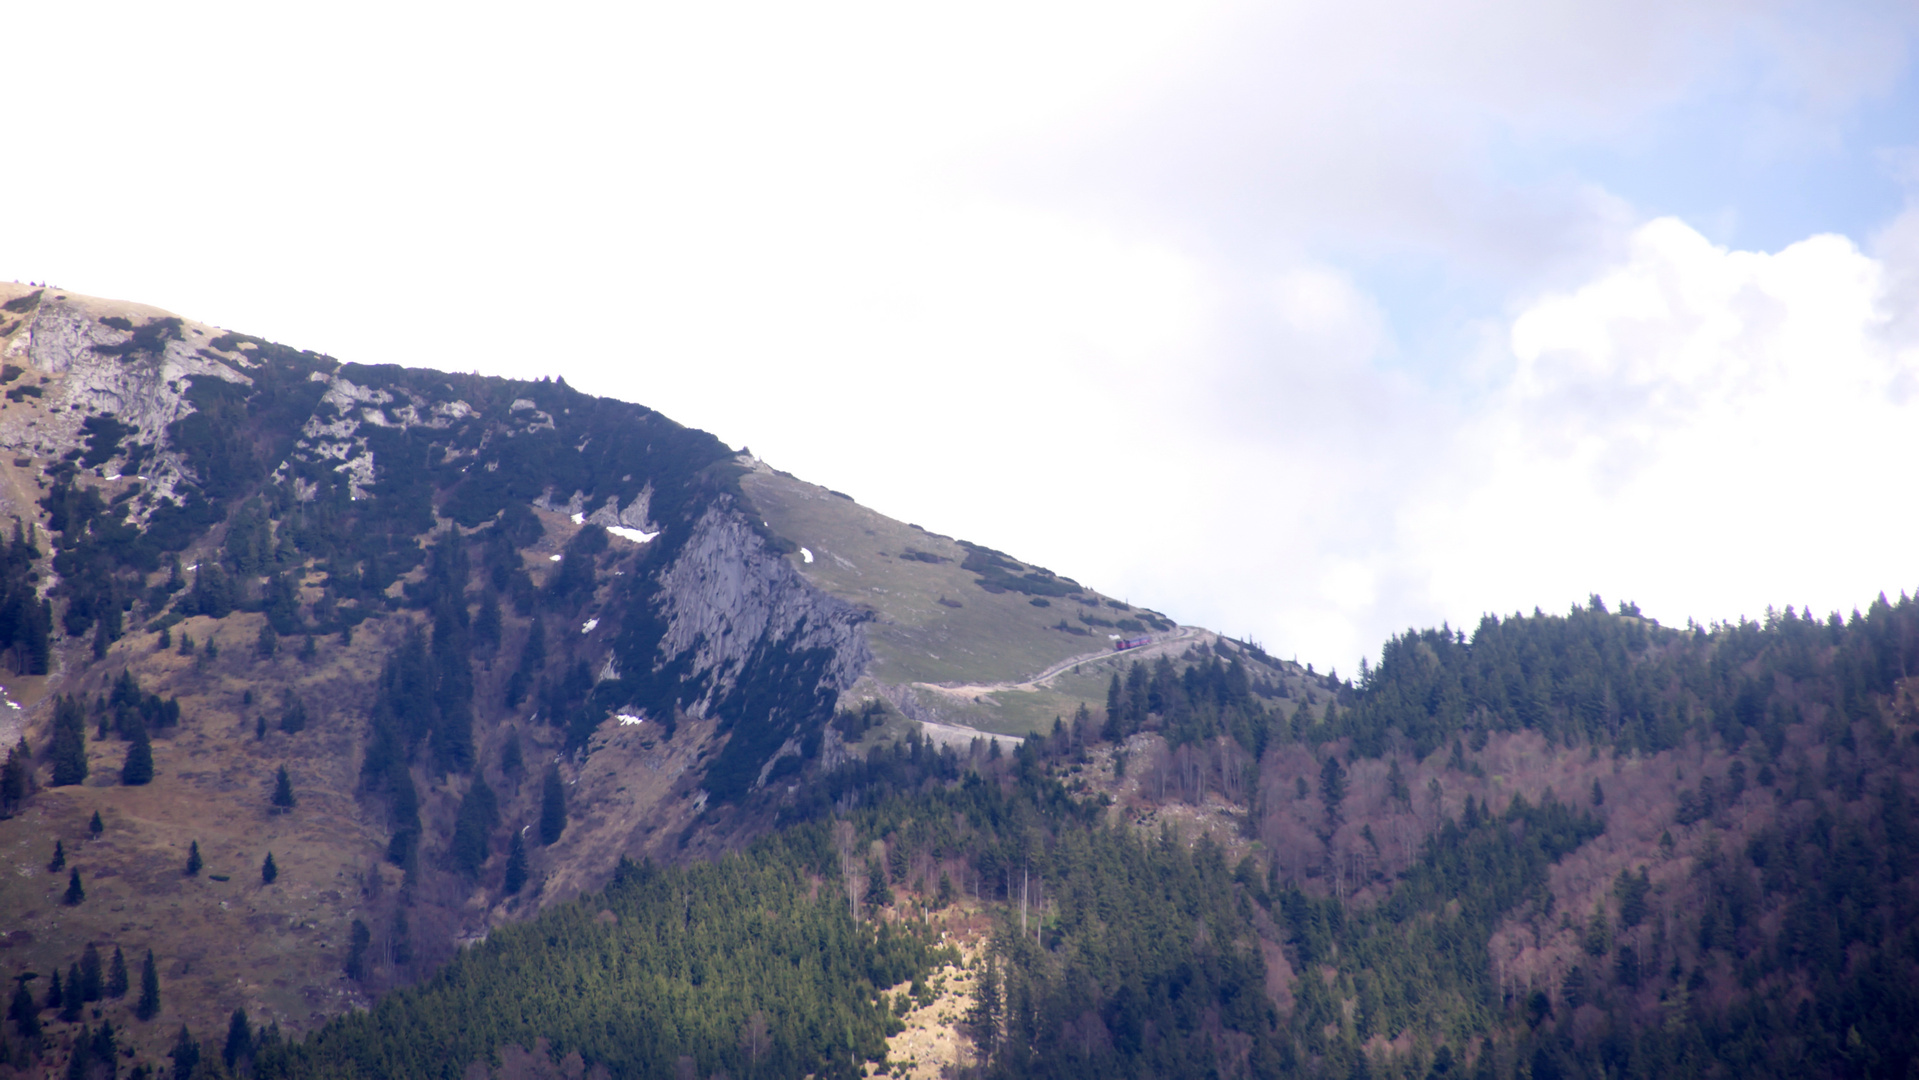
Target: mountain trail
point(1161, 645)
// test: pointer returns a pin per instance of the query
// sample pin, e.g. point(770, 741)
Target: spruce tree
point(185, 1054)
point(93, 976)
point(71, 1001)
point(283, 791)
point(69, 742)
point(59, 860)
point(193, 859)
point(239, 1039)
point(269, 873)
point(13, 779)
point(473, 828)
point(56, 991)
point(267, 643)
point(294, 720)
point(358, 941)
point(75, 894)
point(23, 1012)
point(95, 827)
point(515, 864)
point(117, 975)
point(552, 807)
point(149, 1004)
point(138, 769)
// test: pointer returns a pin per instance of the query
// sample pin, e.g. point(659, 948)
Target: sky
point(1306, 322)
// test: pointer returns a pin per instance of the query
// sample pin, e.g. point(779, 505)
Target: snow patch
point(579, 518)
point(628, 719)
point(587, 627)
point(638, 536)
point(553, 558)
point(805, 554)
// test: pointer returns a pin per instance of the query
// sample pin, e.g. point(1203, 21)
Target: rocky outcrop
point(727, 593)
point(101, 369)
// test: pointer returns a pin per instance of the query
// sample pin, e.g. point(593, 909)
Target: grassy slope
point(988, 639)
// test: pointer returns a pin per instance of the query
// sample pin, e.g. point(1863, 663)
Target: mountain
point(580, 741)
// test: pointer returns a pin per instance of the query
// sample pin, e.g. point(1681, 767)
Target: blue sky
point(1308, 321)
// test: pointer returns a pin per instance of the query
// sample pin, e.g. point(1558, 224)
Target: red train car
point(1131, 643)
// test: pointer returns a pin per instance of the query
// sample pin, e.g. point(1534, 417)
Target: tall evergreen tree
point(473, 828)
point(149, 1004)
point(14, 776)
point(358, 941)
point(193, 859)
point(93, 976)
point(24, 1013)
point(138, 768)
point(283, 791)
point(185, 1054)
point(515, 864)
point(239, 1045)
point(73, 999)
point(117, 981)
point(95, 826)
point(69, 742)
point(75, 894)
point(552, 807)
point(269, 873)
point(59, 860)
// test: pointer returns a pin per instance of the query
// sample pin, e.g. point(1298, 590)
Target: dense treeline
point(1621, 680)
point(665, 964)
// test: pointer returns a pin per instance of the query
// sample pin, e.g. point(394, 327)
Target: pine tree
point(269, 873)
point(239, 1045)
point(982, 1019)
point(149, 1004)
point(877, 894)
point(193, 859)
point(309, 652)
point(117, 975)
point(75, 894)
point(59, 860)
point(13, 779)
point(267, 643)
point(515, 864)
point(552, 807)
point(138, 769)
point(69, 742)
point(185, 1054)
point(473, 828)
point(71, 1001)
point(93, 976)
point(24, 1013)
point(358, 941)
point(283, 791)
point(95, 827)
point(56, 991)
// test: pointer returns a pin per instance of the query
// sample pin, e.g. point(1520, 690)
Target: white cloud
point(1706, 430)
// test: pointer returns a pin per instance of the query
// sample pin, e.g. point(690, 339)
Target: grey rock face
point(727, 591)
point(145, 391)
